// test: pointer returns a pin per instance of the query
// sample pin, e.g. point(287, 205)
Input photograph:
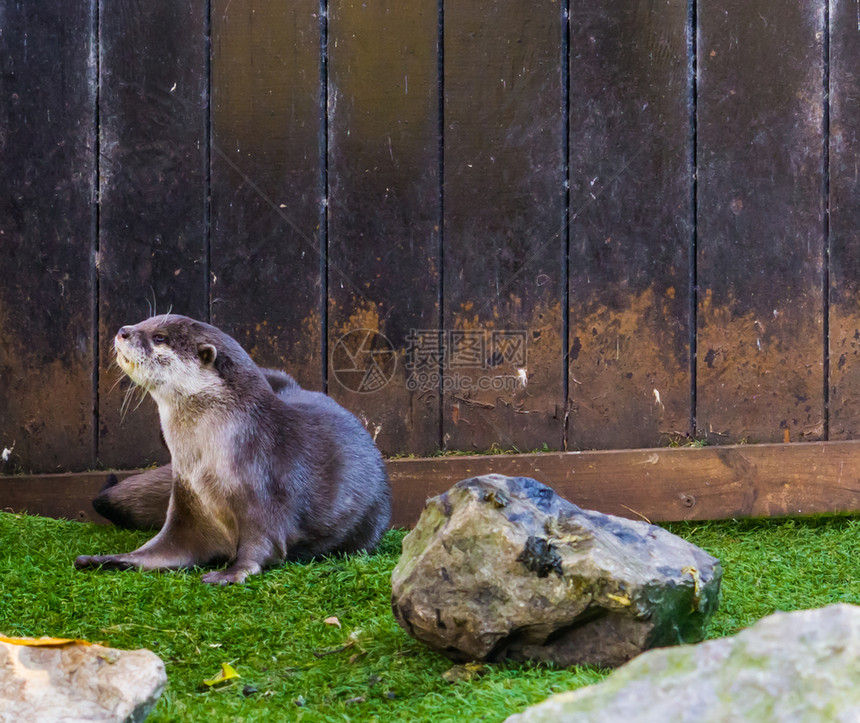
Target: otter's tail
point(138, 502)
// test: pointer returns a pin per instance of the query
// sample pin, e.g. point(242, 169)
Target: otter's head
point(174, 357)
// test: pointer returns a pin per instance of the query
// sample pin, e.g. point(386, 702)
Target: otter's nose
point(124, 333)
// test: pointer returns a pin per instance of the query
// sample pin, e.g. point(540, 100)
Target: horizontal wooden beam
point(65, 496)
point(708, 483)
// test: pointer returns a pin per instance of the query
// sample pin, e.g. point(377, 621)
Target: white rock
point(77, 682)
point(789, 667)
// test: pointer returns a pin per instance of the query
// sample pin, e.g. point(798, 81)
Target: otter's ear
point(207, 354)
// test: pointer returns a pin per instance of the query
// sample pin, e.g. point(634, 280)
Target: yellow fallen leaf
point(44, 642)
point(332, 621)
point(694, 573)
point(227, 673)
point(697, 584)
point(466, 672)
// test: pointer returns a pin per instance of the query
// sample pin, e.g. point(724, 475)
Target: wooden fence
point(535, 225)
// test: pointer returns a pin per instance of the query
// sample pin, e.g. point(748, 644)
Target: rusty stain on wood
point(629, 373)
point(760, 375)
point(507, 397)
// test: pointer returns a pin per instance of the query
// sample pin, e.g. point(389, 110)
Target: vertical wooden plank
point(844, 215)
point(503, 224)
point(153, 116)
point(631, 221)
point(383, 270)
point(266, 257)
point(47, 145)
point(760, 220)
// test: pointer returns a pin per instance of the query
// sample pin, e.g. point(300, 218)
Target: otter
point(261, 471)
point(140, 502)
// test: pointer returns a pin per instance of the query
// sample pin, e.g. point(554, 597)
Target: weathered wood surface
point(404, 166)
point(267, 237)
point(767, 480)
point(630, 129)
point(152, 257)
point(64, 496)
point(760, 220)
point(383, 223)
point(503, 198)
point(47, 235)
point(844, 187)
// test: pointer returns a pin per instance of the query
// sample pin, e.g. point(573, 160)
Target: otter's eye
point(159, 338)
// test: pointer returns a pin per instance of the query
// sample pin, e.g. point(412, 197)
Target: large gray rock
point(77, 681)
point(800, 667)
point(503, 567)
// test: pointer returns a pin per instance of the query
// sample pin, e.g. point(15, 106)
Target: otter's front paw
point(109, 562)
point(225, 577)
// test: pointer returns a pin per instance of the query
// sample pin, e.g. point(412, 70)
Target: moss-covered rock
point(503, 567)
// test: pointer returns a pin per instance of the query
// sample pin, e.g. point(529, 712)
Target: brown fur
point(255, 477)
point(140, 502)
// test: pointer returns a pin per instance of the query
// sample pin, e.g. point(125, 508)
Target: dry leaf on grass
point(464, 673)
point(227, 673)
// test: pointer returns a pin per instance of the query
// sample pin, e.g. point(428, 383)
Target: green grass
point(292, 664)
